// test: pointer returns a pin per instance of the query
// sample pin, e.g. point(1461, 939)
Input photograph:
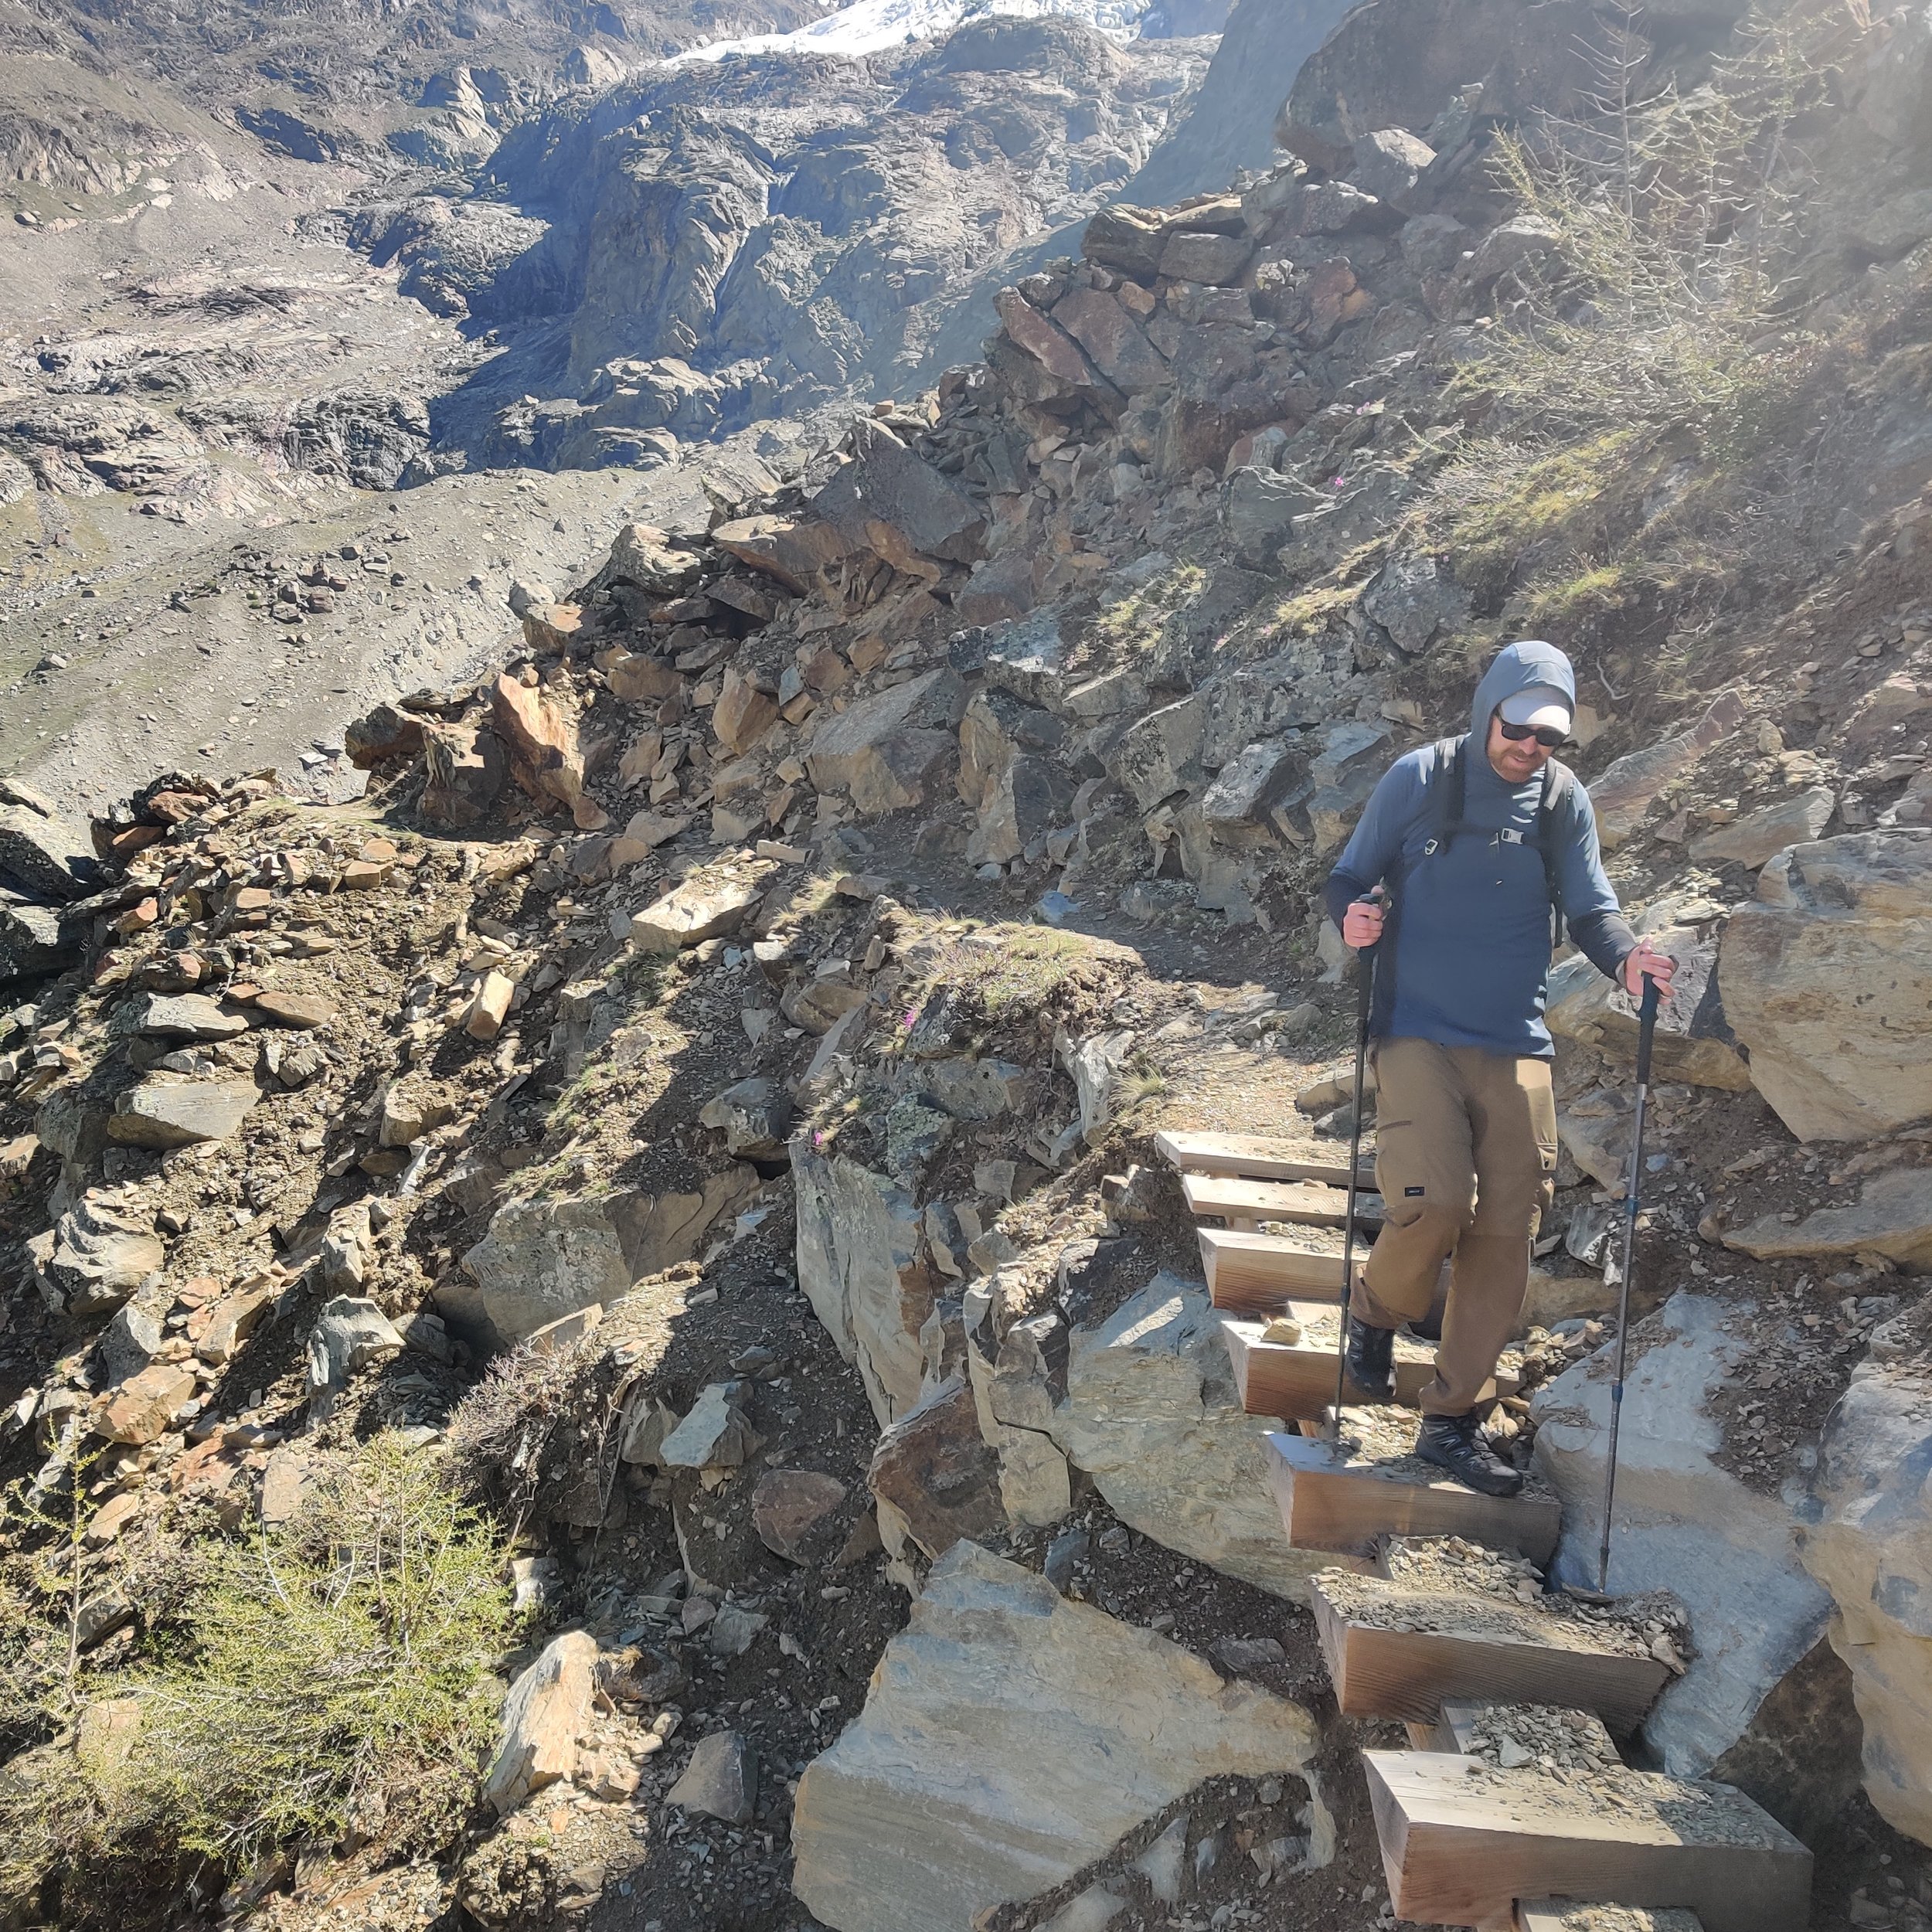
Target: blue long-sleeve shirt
point(1465, 958)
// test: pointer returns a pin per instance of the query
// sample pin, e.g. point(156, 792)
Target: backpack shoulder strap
point(1448, 783)
point(1559, 782)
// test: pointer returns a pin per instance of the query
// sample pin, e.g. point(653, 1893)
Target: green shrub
point(337, 1668)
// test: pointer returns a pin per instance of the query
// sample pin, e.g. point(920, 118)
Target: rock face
point(1151, 1414)
point(1622, 795)
point(1009, 1737)
point(543, 1258)
point(1872, 1550)
point(1828, 980)
point(858, 1263)
point(1682, 1524)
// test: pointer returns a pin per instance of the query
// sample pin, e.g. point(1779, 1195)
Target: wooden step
point(1258, 1158)
point(1242, 1202)
point(1295, 1380)
point(1261, 1273)
point(1333, 1497)
point(1394, 1651)
point(1461, 1841)
point(1565, 1915)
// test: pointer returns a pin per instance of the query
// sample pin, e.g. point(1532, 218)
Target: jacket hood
point(1518, 667)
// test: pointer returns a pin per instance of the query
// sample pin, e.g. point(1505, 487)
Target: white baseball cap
point(1541, 707)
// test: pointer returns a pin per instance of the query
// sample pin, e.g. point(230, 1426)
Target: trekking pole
point(1365, 995)
point(1646, 1033)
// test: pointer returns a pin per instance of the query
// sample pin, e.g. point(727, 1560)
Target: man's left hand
point(1644, 959)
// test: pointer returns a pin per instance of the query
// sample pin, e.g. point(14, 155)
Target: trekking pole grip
point(1646, 1028)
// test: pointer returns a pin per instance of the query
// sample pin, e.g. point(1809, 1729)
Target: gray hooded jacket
point(1465, 959)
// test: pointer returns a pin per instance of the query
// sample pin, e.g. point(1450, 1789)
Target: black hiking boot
point(1455, 1443)
point(1371, 1359)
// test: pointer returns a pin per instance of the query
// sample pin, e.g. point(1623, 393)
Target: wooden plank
point(1260, 1159)
point(1261, 1274)
point(1295, 1380)
point(1504, 1653)
point(1461, 1841)
point(1242, 1202)
point(1565, 1915)
point(1329, 1501)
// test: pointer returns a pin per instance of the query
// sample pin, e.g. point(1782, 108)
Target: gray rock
point(753, 1114)
point(1258, 509)
point(350, 1333)
point(1415, 600)
point(721, 1780)
point(180, 1016)
point(1827, 980)
point(972, 1089)
point(133, 1339)
point(1387, 164)
point(1237, 806)
point(1683, 1524)
point(1762, 834)
point(1151, 1414)
point(715, 1435)
point(933, 1476)
point(1870, 1550)
point(37, 939)
point(41, 854)
point(545, 1258)
point(1161, 755)
point(167, 1114)
point(1623, 794)
point(860, 1264)
point(1891, 1216)
point(883, 751)
point(1027, 657)
point(1694, 1041)
point(1009, 1738)
point(102, 1251)
point(708, 904)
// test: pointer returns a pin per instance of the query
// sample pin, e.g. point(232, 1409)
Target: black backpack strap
point(1558, 782)
point(1448, 788)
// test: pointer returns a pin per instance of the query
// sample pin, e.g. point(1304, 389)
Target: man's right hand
point(1362, 924)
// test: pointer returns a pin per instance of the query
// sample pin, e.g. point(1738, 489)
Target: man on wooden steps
point(1487, 848)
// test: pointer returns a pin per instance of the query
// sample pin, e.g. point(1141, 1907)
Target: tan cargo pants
point(1466, 1163)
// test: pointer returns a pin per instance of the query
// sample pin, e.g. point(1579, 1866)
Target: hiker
point(1487, 847)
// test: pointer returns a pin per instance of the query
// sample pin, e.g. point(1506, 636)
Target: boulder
point(134, 1337)
point(1258, 508)
point(792, 551)
point(350, 1333)
point(467, 768)
point(1622, 795)
point(1009, 1738)
point(104, 1249)
point(1415, 600)
point(791, 1507)
point(1115, 342)
point(754, 1115)
point(708, 902)
point(715, 1435)
point(179, 1016)
point(37, 939)
point(41, 854)
point(548, 1705)
point(933, 1476)
point(1388, 163)
point(972, 1089)
point(1684, 1524)
point(882, 751)
point(1872, 1549)
point(1014, 1390)
point(1049, 346)
point(721, 1780)
point(860, 1266)
point(146, 1406)
point(1393, 64)
point(1891, 1216)
point(163, 1113)
point(1764, 834)
point(381, 735)
point(1161, 755)
point(546, 759)
point(1029, 798)
point(1237, 807)
point(892, 501)
point(1151, 1415)
point(747, 708)
point(1215, 261)
point(546, 1257)
point(1828, 981)
point(1126, 238)
point(1693, 1041)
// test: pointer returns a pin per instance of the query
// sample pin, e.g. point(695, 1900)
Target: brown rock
point(384, 734)
point(546, 759)
point(145, 1405)
point(933, 1468)
point(548, 1706)
point(466, 768)
point(489, 1008)
point(789, 1505)
point(553, 627)
point(747, 708)
point(231, 1322)
point(792, 551)
point(638, 679)
point(1047, 343)
point(276, 1006)
point(1117, 344)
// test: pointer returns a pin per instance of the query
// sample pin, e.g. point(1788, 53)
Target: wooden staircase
point(1469, 1837)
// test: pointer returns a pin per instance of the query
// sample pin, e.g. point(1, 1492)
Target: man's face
point(1515, 761)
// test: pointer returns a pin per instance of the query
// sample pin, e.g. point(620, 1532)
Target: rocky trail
point(712, 1304)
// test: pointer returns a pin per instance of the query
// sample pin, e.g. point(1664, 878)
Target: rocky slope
point(741, 1019)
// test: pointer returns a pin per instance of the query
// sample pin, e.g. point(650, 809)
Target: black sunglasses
point(1546, 735)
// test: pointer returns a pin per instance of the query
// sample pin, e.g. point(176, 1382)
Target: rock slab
point(1010, 1737)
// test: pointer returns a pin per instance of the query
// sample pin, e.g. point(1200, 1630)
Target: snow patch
point(871, 26)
